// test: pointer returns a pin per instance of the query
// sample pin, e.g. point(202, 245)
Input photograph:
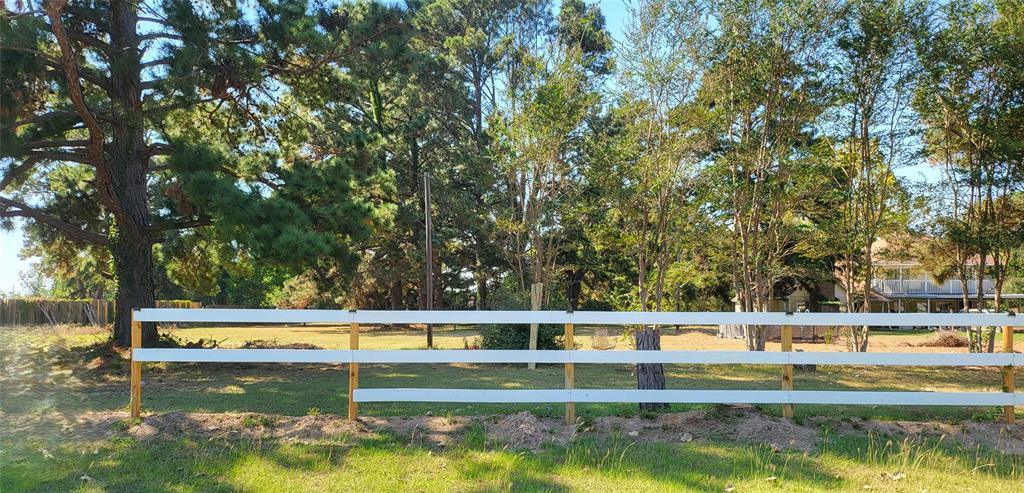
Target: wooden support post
point(787, 370)
point(353, 373)
point(1008, 384)
point(135, 401)
point(536, 292)
point(570, 376)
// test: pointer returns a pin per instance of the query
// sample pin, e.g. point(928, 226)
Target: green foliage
point(517, 336)
point(256, 421)
point(276, 152)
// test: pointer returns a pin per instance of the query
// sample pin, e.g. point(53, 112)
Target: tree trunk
point(861, 345)
point(650, 376)
point(126, 165)
point(755, 336)
point(979, 276)
point(964, 293)
point(480, 275)
point(133, 264)
point(396, 294)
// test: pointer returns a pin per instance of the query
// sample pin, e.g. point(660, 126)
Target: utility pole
point(429, 250)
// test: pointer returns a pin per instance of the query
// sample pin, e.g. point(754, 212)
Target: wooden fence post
point(787, 370)
point(353, 372)
point(135, 400)
point(1008, 384)
point(570, 375)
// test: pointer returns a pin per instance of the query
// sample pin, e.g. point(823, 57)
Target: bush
point(508, 336)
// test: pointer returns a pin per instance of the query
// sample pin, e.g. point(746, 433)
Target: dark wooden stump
point(650, 375)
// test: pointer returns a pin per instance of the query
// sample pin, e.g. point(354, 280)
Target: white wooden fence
point(570, 395)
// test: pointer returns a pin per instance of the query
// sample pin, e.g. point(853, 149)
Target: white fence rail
point(569, 395)
point(371, 317)
point(582, 357)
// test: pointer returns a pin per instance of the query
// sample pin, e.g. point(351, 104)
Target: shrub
point(517, 336)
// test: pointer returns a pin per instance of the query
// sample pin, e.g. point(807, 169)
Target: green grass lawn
point(49, 382)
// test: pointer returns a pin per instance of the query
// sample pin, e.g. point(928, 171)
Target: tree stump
point(650, 376)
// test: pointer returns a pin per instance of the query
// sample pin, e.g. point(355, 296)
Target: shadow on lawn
point(94, 378)
point(294, 389)
point(387, 464)
point(382, 461)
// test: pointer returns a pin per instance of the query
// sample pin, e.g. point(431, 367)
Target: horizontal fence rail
point(353, 356)
point(563, 356)
point(690, 396)
point(371, 317)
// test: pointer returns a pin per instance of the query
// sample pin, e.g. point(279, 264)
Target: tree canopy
point(275, 153)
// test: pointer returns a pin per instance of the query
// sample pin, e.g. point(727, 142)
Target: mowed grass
point(48, 381)
point(389, 464)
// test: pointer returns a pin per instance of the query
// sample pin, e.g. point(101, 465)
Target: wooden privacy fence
point(571, 395)
point(52, 311)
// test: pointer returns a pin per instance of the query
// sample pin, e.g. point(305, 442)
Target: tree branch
point(43, 144)
point(159, 150)
point(96, 137)
point(74, 157)
point(65, 227)
point(182, 224)
point(155, 62)
point(174, 106)
point(16, 170)
point(155, 35)
point(45, 117)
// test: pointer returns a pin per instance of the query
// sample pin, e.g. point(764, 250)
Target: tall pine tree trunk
point(126, 169)
point(133, 265)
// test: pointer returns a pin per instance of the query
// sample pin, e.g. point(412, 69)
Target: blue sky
point(615, 13)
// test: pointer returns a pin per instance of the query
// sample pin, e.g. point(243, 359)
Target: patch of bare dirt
point(739, 423)
point(247, 425)
point(433, 431)
point(526, 431)
point(1008, 439)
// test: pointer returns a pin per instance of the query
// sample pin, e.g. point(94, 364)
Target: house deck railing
point(923, 286)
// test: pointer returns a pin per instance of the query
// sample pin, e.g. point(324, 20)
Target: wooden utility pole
point(429, 251)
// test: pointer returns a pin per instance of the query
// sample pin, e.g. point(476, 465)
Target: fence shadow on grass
point(390, 464)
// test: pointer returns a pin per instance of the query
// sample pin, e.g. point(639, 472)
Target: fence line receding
point(569, 395)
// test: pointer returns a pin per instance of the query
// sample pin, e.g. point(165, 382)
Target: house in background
point(903, 286)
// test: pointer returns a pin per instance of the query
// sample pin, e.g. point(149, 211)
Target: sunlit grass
point(388, 464)
point(48, 382)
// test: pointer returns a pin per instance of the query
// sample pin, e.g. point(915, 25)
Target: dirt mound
point(526, 431)
point(425, 430)
point(247, 425)
point(739, 423)
point(1008, 439)
point(946, 338)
